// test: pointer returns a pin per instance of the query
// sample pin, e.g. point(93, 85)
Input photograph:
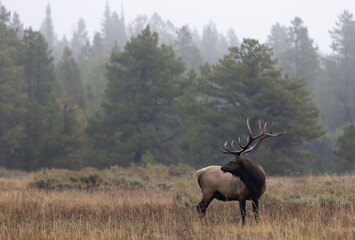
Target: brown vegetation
point(292, 207)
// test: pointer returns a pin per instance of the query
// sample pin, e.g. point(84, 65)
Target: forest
point(147, 92)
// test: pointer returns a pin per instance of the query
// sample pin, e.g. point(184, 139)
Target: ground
point(158, 202)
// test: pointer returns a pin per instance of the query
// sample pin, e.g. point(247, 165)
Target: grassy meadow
point(158, 202)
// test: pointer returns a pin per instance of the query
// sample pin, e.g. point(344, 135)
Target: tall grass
point(292, 208)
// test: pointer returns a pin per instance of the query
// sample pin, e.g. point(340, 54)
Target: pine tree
point(92, 68)
point(344, 48)
point(41, 124)
point(166, 30)
point(70, 78)
point(113, 31)
point(59, 49)
point(4, 14)
point(193, 141)
point(12, 95)
point(137, 25)
point(31, 130)
point(245, 83)
point(47, 28)
point(233, 40)
point(222, 45)
point(118, 30)
point(17, 25)
point(343, 36)
point(186, 49)
point(302, 57)
point(106, 29)
point(345, 150)
point(296, 51)
point(336, 90)
point(137, 116)
point(278, 40)
point(122, 31)
point(209, 43)
point(80, 38)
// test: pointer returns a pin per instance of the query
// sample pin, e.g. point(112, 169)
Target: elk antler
point(248, 147)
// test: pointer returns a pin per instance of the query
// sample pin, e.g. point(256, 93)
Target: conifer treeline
point(149, 92)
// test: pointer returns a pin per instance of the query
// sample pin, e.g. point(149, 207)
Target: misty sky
point(249, 18)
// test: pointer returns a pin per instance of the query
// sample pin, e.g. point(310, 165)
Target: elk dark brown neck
point(249, 172)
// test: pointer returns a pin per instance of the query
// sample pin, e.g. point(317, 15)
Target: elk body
point(239, 180)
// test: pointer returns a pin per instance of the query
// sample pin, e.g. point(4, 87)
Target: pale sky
point(248, 18)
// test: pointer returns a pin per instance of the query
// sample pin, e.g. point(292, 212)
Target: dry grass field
point(158, 202)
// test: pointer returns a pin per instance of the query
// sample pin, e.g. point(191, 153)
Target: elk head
point(250, 173)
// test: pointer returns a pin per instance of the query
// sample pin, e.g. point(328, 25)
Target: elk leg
point(242, 210)
point(256, 209)
point(202, 206)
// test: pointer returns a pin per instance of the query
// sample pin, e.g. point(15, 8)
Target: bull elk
point(238, 180)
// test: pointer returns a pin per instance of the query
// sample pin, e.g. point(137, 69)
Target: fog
point(249, 19)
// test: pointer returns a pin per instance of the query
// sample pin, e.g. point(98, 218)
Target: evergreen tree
point(245, 83)
point(166, 30)
point(32, 134)
point(80, 38)
point(233, 40)
point(186, 49)
point(213, 45)
point(41, 122)
point(222, 45)
point(196, 37)
point(335, 91)
point(61, 44)
point(47, 28)
point(4, 15)
point(137, 25)
point(345, 151)
point(302, 56)
point(343, 41)
point(65, 151)
point(17, 25)
point(98, 42)
point(113, 30)
point(93, 73)
point(84, 53)
point(209, 43)
point(278, 40)
point(118, 30)
point(343, 46)
point(193, 143)
point(12, 95)
point(138, 115)
point(122, 30)
point(115, 22)
point(106, 28)
point(70, 78)
point(298, 57)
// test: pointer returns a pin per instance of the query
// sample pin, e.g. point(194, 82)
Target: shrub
point(183, 198)
point(328, 200)
point(41, 183)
